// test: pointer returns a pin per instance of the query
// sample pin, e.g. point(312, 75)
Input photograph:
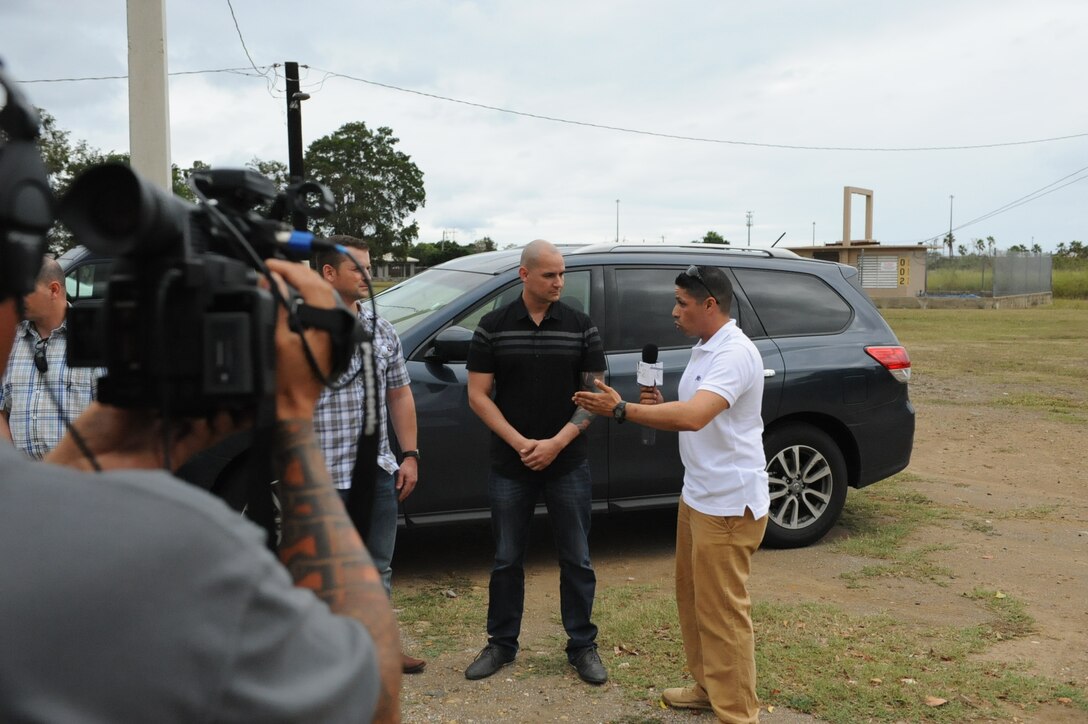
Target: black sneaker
point(589, 666)
point(488, 661)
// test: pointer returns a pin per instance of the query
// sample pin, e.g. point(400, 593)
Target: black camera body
point(184, 327)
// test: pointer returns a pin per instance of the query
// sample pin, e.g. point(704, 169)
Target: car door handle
point(768, 373)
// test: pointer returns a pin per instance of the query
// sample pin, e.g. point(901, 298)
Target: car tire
point(807, 477)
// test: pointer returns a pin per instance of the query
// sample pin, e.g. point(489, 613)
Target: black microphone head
point(649, 354)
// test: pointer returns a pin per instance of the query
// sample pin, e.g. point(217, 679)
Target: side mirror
point(451, 345)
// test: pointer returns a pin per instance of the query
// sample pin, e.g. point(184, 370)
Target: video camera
point(184, 326)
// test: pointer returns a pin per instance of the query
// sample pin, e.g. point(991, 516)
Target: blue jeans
point(381, 536)
point(568, 498)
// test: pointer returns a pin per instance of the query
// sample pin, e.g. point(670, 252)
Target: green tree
point(484, 244)
point(375, 186)
point(713, 237)
point(1075, 250)
point(949, 240)
point(433, 253)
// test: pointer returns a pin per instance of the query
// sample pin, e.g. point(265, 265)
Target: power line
point(237, 71)
point(240, 38)
point(270, 83)
point(698, 139)
point(602, 126)
point(1025, 199)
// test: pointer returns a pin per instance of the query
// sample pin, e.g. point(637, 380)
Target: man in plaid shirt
point(340, 413)
point(39, 391)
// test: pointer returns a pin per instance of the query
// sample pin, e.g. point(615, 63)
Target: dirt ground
point(990, 464)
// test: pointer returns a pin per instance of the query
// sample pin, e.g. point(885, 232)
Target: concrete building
point(885, 270)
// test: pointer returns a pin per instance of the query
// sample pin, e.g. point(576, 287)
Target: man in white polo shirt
point(725, 498)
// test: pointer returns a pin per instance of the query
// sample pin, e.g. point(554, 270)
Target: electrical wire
point(270, 82)
point(241, 39)
point(237, 71)
point(1025, 199)
point(697, 139)
point(587, 124)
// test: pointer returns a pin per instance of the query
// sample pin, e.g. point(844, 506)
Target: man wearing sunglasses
point(725, 498)
point(40, 392)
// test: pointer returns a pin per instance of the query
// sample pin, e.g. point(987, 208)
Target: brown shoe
point(413, 665)
point(690, 697)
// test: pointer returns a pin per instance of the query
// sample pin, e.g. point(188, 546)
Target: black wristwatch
point(409, 454)
point(619, 412)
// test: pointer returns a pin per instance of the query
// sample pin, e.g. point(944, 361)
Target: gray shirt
point(132, 596)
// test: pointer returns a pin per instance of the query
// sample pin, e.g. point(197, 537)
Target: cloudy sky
point(690, 113)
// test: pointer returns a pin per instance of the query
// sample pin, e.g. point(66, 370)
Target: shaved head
point(534, 250)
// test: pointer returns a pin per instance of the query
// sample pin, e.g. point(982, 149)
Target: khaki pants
point(713, 559)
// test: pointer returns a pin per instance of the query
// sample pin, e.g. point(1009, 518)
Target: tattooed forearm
point(320, 546)
point(581, 418)
point(322, 551)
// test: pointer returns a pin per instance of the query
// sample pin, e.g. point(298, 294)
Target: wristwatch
point(619, 412)
point(409, 454)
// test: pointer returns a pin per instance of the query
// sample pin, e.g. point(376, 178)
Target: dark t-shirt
point(537, 371)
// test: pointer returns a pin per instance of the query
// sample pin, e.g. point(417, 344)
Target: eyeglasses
point(40, 360)
point(693, 272)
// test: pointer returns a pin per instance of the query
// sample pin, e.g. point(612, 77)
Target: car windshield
point(414, 300)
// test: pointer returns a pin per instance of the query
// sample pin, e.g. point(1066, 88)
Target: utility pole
point(814, 233)
point(950, 197)
point(617, 221)
point(148, 100)
point(294, 135)
point(748, 223)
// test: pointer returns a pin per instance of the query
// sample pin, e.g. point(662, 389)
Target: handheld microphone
point(649, 374)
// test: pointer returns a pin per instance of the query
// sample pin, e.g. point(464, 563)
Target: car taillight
point(895, 360)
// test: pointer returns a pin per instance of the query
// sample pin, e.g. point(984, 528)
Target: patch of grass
point(439, 622)
point(842, 668)
point(980, 526)
point(1061, 407)
point(1038, 512)
point(1011, 617)
point(1070, 283)
point(639, 638)
point(880, 518)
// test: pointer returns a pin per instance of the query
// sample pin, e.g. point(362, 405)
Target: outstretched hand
point(599, 403)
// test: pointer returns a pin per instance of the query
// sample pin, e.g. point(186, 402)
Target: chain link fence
point(985, 275)
point(1022, 274)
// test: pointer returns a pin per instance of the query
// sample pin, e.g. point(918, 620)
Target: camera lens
point(114, 212)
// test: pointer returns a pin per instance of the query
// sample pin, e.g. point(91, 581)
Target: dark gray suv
point(836, 409)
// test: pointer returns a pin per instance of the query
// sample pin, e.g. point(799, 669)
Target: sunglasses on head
point(39, 356)
point(693, 272)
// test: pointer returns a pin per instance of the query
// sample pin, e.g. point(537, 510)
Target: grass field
point(1034, 354)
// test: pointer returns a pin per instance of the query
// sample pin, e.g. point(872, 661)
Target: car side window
point(88, 281)
point(789, 303)
point(575, 294)
point(643, 302)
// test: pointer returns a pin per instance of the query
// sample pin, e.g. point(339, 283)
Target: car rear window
point(791, 303)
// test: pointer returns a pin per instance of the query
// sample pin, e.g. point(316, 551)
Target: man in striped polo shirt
point(534, 354)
